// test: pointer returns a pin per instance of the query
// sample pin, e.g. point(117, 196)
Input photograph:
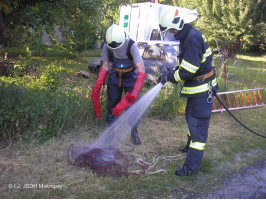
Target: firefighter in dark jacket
point(123, 63)
point(196, 73)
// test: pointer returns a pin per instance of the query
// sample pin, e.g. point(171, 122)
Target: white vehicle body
point(141, 23)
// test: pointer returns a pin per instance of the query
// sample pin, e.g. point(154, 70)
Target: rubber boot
point(135, 136)
point(186, 148)
point(185, 171)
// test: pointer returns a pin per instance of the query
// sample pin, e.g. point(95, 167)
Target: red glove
point(133, 96)
point(130, 98)
point(121, 106)
point(95, 92)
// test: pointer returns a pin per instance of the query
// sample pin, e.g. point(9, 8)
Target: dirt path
point(250, 184)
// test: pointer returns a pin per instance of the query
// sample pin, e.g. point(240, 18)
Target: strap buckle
point(120, 72)
point(210, 93)
point(200, 78)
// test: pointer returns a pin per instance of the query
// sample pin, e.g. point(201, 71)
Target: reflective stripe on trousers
point(197, 145)
point(198, 89)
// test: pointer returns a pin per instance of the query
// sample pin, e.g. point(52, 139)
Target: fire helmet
point(115, 36)
point(171, 18)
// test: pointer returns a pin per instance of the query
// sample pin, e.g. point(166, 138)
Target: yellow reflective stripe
point(188, 133)
point(189, 67)
point(197, 145)
point(206, 54)
point(203, 58)
point(177, 77)
point(198, 89)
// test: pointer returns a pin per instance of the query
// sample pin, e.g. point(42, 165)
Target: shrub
point(39, 112)
point(168, 103)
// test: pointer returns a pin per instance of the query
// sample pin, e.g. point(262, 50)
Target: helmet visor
point(115, 45)
point(163, 29)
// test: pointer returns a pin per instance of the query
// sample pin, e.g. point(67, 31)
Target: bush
point(39, 50)
point(168, 103)
point(39, 112)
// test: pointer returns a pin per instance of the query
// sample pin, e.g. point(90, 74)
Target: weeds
point(49, 101)
point(40, 98)
point(168, 103)
point(40, 51)
point(41, 113)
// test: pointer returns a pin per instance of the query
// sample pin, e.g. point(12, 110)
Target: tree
point(81, 21)
point(233, 20)
point(3, 33)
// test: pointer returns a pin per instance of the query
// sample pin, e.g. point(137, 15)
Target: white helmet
point(171, 18)
point(115, 36)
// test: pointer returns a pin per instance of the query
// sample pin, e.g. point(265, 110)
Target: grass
point(49, 101)
point(229, 150)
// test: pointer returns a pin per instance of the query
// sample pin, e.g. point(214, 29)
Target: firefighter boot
point(135, 136)
point(185, 149)
point(185, 171)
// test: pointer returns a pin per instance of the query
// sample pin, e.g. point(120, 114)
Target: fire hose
point(215, 94)
point(258, 134)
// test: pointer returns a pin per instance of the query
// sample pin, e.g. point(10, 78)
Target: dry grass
point(47, 163)
point(38, 164)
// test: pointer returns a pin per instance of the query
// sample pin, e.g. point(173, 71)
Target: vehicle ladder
point(242, 96)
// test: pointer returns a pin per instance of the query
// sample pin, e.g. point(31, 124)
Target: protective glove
point(121, 106)
point(167, 76)
point(133, 96)
point(130, 98)
point(96, 90)
point(162, 78)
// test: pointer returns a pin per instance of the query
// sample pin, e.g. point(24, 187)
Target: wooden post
point(225, 59)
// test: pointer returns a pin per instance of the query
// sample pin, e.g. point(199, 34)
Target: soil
point(249, 184)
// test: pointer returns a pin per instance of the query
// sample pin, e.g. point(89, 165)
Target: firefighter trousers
point(198, 115)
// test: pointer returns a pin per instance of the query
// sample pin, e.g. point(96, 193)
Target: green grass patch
point(42, 98)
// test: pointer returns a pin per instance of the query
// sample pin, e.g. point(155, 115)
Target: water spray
point(103, 155)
